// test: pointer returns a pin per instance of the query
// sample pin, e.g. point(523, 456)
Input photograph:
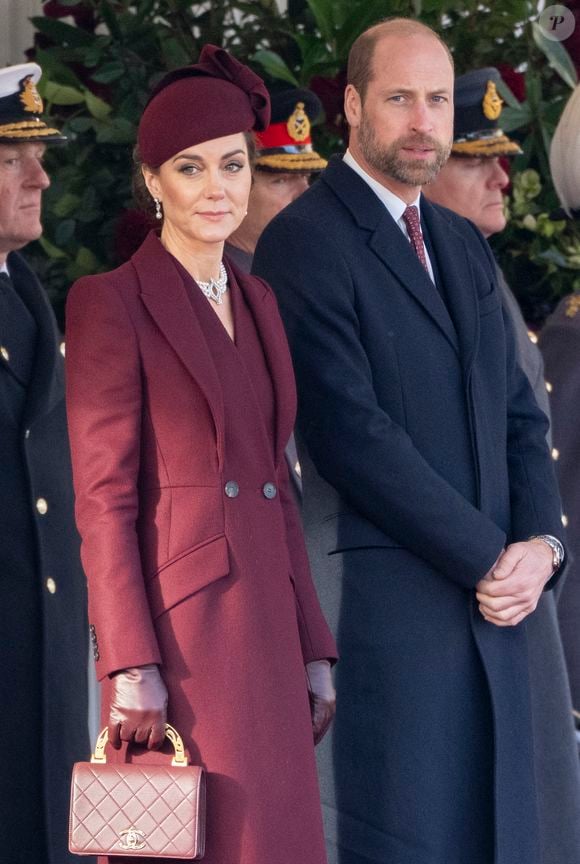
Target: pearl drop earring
point(158, 213)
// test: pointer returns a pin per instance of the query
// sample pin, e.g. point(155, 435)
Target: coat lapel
point(262, 305)
point(165, 297)
point(47, 384)
point(388, 243)
point(456, 270)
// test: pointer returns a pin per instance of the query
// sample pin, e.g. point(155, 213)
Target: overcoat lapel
point(47, 383)
point(165, 297)
point(263, 307)
point(388, 243)
point(456, 271)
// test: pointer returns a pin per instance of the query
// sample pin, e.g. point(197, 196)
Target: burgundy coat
point(214, 588)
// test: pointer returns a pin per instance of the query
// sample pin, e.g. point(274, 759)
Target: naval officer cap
point(478, 107)
point(21, 107)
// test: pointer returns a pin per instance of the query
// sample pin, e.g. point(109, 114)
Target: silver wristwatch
point(556, 547)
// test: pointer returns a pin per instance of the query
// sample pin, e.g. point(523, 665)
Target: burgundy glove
point(138, 707)
point(322, 697)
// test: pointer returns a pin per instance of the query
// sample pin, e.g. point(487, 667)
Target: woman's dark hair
point(141, 194)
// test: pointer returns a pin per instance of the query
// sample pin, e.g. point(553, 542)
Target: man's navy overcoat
point(426, 455)
point(43, 616)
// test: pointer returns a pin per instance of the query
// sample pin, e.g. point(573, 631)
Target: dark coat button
point(232, 489)
point(269, 490)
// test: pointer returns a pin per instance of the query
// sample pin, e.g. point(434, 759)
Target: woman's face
point(203, 189)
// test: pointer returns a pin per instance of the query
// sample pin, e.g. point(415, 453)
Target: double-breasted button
point(555, 454)
point(232, 489)
point(5, 353)
point(549, 387)
point(269, 490)
point(62, 348)
point(42, 506)
point(564, 520)
point(27, 433)
point(51, 585)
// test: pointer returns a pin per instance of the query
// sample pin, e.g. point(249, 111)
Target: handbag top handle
point(179, 758)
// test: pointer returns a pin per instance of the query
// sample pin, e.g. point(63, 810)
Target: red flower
point(514, 80)
point(572, 44)
point(330, 91)
point(82, 15)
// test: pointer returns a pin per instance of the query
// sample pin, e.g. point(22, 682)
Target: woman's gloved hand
point(138, 707)
point(322, 697)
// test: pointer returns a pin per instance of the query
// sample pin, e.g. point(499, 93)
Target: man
point(43, 668)
point(428, 477)
point(285, 163)
point(471, 184)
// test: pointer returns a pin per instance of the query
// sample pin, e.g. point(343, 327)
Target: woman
point(180, 406)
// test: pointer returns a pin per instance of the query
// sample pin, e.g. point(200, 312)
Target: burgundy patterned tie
point(411, 220)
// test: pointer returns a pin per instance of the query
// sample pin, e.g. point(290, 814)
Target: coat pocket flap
point(187, 573)
point(352, 531)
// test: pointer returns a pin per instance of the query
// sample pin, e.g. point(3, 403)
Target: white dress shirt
point(395, 205)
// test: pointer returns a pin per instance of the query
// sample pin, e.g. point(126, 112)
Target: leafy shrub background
point(101, 57)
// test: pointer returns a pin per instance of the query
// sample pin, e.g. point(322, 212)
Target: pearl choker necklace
point(215, 288)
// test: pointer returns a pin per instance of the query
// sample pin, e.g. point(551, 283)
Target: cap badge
point(30, 97)
point(492, 102)
point(298, 125)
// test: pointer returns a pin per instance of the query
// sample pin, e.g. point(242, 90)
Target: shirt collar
point(395, 205)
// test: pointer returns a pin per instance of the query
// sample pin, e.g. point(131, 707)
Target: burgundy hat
point(217, 96)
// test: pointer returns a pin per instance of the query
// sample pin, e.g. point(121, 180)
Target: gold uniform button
point(42, 506)
point(5, 353)
point(564, 520)
point(555, 454)
point(549, 387)
point(51, 585)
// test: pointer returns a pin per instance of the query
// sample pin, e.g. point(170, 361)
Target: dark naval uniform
point(43, 644)
point(560, 345)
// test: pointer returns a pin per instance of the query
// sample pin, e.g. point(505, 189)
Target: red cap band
point(277, 135)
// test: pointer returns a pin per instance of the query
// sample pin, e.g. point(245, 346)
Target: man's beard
point(387, 161)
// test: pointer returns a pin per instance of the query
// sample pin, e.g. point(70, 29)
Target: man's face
point(402, 132)
point(22, 179)
point(472, 187)
point(271, 192)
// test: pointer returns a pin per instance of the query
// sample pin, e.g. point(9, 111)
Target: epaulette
point(572, 305)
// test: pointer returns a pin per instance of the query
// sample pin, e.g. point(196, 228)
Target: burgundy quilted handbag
point(135, 809)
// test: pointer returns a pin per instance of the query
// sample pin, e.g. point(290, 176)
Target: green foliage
point(540, 253)
point(100, 63)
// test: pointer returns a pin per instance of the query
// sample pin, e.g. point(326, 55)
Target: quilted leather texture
point(137, 810)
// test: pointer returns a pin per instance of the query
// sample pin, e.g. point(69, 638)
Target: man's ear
point(352, 106)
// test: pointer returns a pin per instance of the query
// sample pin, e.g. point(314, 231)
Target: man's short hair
point(360, 59)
